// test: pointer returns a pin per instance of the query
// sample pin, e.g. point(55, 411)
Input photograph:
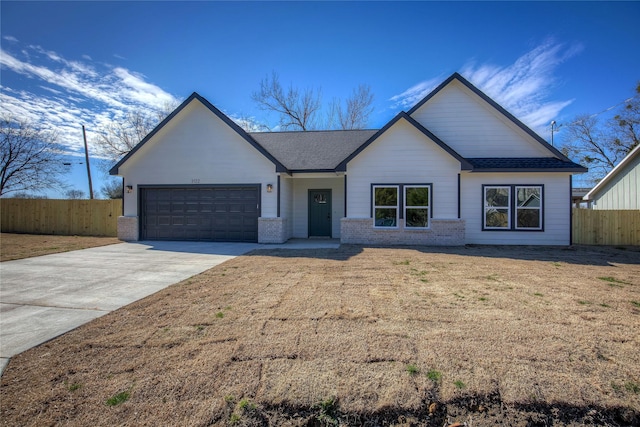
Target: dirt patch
point(356, 336)
point(18, 246)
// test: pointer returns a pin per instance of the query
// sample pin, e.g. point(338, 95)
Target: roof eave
point(334, 170)
point(608, 177)
point(574, 170)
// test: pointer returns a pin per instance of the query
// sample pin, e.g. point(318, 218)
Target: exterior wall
point(623, 191)
point(196, 147)
point(273, 230)
point(286, 203)
point(443, 232)
point(128, 228)
point(403, 155)
point(301, 186)
point(473, 128)
point(556, 209)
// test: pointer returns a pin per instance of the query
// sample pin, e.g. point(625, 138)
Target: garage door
point(220, 213)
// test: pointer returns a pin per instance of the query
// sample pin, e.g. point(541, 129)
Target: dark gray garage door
point(220, 213)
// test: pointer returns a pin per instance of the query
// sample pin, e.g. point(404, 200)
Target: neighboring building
point(455, 169)
point(620, 188)
point(577, 197)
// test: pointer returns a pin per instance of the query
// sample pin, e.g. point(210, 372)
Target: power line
point(556, 127)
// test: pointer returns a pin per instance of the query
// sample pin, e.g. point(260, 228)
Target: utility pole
point(554, 128)
point(86, 155)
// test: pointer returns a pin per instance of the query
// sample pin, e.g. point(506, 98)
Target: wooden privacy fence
point(63, 217)
point(604, 227)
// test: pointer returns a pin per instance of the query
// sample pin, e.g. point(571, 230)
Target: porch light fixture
point(129, 188)
point(269, 188)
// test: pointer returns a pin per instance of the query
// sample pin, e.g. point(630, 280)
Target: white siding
point(196, 146)
point(556, 209)
point(623, 191)
point(403, 155)
point(466, 123)
point(301, 187)
point(286, 201)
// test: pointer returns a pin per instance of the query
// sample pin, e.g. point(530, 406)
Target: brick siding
point(443, 232)
point(273, 230)
point(128, 228)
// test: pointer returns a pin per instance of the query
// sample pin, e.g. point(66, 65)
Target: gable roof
point(613, 173)
point(330, 151)
point(464, 164)
point(495, 105)
point(195, 96)
point(312, 151)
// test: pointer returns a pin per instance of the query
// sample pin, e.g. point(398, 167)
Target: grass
point(327, 411)
point(19, 246)
point(119, 398)
point(73, 386)
point(459, 385)
point(412, 369)
point(613, 282)
point(434, 375)
point(632, 387)
point(357, 329)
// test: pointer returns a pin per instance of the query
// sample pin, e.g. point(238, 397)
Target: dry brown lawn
point(18, 246)
point(355, 336)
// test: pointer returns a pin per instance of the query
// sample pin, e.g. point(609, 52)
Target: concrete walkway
point(44, 297)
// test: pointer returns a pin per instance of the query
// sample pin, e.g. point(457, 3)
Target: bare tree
point(355, 114)
point(601, 146)
point(75, 194)
point(627, 123)
point(120, 136)
point(297, 109)
point(301, 109)
point(31, 160)
point(25, 195)
point(250, 124)
point(112, 189)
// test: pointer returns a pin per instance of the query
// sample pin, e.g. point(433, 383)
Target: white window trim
point(486, 207)
point(396, 207)
point(528, 208)
point(428, 208)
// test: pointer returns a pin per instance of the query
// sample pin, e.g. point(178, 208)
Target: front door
point(319, 213)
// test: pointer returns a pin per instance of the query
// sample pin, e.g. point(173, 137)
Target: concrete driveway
point(46, 296)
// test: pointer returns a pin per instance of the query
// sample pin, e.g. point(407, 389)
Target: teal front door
point(319, 213)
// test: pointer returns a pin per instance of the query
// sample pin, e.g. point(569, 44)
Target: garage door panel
point(251, 208)
point(221, 213)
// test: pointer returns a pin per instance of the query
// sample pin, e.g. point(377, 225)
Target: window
point(496, 207)
point(417, 206)
point(385, 206)
point(392, 202)
point(529, 208)
point(512, 207)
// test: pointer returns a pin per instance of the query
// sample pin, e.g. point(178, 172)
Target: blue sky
point(73, 63)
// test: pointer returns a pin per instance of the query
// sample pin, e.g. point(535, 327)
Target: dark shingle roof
point(527, 164)
point(312, 150)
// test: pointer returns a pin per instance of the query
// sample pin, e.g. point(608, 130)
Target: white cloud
point(523, 88)
point(415, 93)
point(64, 94)
point(10, 38)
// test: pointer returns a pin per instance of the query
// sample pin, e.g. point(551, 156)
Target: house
point(577, 197)
point(620, 188)
point(455, 169)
